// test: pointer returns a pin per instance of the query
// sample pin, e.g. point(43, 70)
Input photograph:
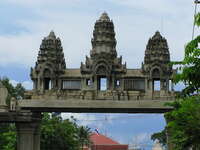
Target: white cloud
point(82, 119)
point(75, 31)
point(140, 140)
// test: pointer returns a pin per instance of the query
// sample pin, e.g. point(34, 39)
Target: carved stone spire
point(157, 50)
point(51, 51)
point(157, 54)
point(50, 61)
point(103, 53)
point(51, 35)
point(103, 40)
point(104, 17)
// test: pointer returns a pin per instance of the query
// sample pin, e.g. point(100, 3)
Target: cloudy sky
point(23, 24)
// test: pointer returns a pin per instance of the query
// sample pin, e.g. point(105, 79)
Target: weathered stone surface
point(52, 80)
point(108, 106)
point(3, 96)
point(28, 133)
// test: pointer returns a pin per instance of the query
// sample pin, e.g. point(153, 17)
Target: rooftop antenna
point(195, 11)
point(162, 26)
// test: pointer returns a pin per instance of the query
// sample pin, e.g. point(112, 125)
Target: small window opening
point(156, 85)
point(117, 83)
point(103, 84)
point(47, 83)
point(88, 82)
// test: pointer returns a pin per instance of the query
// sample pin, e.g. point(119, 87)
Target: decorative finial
point(52, 35)
point(104, 17)
point(157, 35)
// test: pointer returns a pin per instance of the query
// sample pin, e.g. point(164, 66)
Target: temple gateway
point(102, 76)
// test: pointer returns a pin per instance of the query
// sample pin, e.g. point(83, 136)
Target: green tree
point(84, 136)
point(8, 131)
point(161, 137)
point(184, 123)
point(58, 134)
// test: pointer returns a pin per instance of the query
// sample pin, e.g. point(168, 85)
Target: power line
point(110, 119)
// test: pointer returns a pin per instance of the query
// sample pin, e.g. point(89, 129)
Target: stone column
point(146, 84)
point(172, 86)
point(28, 133)
point(95, 82)
point(3, 96)
point(170, 145)
point(36, 136)
point(25, 136)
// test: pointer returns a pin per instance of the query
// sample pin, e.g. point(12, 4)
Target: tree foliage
point(84, 136)
point(184, 123)
point(56, 133)
point(59, 134)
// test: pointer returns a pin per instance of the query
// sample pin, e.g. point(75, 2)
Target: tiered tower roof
point(157, 50)
point(51, 51)
point(103, 40)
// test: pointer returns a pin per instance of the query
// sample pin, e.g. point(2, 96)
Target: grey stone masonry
point(103, 75)
point(3, 96)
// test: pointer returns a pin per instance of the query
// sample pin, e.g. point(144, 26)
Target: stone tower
point(50, 64)
point(156, 63)
point(103, 61)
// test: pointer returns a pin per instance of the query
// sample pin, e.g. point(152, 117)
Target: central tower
point(103, 69)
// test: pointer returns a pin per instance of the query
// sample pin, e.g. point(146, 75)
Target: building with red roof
point(101, 142)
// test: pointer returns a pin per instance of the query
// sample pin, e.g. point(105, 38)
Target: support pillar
point(28, 134)
point(36, 137)
point(25, 136)
point(170, 145)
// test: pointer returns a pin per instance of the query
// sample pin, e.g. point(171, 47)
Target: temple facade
point(102, 76)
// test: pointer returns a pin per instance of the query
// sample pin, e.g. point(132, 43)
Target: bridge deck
point(95, 106)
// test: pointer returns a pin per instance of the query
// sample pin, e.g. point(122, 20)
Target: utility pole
point(195, 11)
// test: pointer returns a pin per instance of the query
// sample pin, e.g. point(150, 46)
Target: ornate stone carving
point(3, 96)
point(157, 55)
point(103, 58)
point(50, 62)
point(103, 70)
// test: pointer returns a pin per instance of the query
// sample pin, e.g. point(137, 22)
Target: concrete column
point(28, 134)
point(170, 145)
point(113, 83)
point(167, 84)
point(146, 84)
point(59, 84)
point(38, 84)
point(108, 83)
point(122, 83)
point(151, 88)
point(36, 137)
point(172, 86)
point(25, 136)
point(95, 82)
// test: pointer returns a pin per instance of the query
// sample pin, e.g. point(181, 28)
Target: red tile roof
point(101, 142)
point(99, 139)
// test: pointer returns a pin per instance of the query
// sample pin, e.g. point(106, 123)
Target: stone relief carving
point(3, 95)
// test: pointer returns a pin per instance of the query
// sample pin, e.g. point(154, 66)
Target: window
point(88, 82)
point(102, 84)
point(117, 83)
point(134, 84)
point(71, 84)
point(156, 85)
point(47, 83)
